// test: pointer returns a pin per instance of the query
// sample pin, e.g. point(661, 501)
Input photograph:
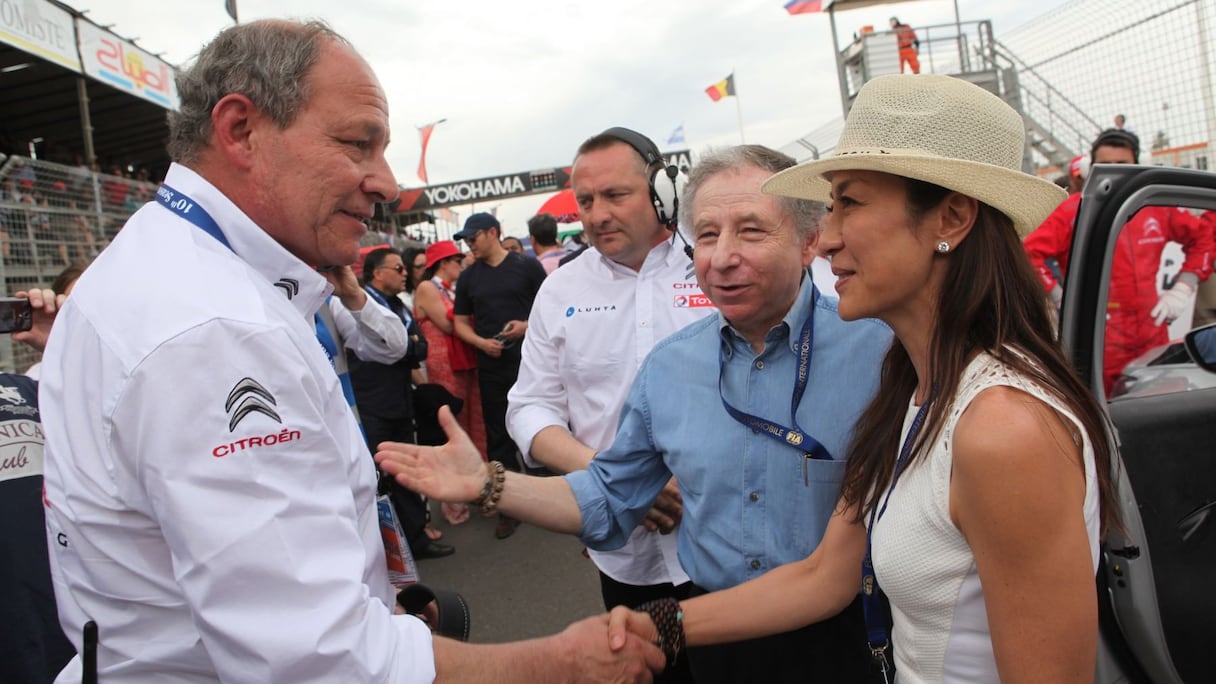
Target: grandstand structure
point(1069, 72)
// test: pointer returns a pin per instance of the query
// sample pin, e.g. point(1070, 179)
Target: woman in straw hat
point(978, 478)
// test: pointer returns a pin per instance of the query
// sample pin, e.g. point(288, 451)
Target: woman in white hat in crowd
point(978, 478)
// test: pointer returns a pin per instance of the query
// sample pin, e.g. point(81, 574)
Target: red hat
point(26, 183)
point(59, 185)
point(1079, 166)
point(440, 251)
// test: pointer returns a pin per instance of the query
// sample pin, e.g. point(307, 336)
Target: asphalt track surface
point(532, 584)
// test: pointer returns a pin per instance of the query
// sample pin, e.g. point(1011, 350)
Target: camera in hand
point(15, 315)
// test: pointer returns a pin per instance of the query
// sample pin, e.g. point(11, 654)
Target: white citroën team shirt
point(210, 500)
point(592, 324)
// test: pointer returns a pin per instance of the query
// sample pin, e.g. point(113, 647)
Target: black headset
point(664, 193)
point(1117, 137)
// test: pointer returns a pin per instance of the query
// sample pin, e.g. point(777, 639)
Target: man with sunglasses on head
point(493, 300)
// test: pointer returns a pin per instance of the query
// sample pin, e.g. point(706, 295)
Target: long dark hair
point(990, 301)
point(408, 257)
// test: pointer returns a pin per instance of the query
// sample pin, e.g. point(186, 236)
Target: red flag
point(425, 131)
point(721, 89)
point(803, 6)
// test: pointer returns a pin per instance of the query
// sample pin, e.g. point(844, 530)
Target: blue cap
point(477, 223)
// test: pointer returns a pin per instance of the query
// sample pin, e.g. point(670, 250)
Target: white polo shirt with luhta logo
point(592, 324)
point(210, 500)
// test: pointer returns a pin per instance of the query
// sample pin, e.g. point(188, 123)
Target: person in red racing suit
point(1135, 315)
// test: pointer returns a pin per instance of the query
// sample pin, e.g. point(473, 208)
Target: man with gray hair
point(210, 500)
point(750, 409)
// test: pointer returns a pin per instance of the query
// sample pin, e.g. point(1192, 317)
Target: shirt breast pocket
point(815, 488)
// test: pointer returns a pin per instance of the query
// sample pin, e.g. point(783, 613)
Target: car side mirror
point(1201, 345)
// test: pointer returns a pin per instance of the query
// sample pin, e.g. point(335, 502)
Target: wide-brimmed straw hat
point(940, 130)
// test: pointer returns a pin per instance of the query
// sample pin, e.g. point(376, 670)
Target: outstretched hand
point(624, 621)
point(452, 472)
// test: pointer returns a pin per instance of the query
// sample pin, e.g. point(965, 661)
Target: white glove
point(1174, 302)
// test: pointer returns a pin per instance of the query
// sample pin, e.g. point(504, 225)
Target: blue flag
point(677, 136)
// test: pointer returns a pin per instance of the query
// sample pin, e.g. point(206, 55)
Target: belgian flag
point(721, 89)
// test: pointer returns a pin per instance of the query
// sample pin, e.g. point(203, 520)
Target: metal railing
point(1059, 128)
point(53, 216)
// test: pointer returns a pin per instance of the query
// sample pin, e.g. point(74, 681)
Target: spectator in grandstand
point(1136, 314)
point(543, 229)
point(114, 189)
point(909, 46)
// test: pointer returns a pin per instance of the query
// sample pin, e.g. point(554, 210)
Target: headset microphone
point(664, 193)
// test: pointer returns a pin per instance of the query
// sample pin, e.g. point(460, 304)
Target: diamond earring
point(943, 247)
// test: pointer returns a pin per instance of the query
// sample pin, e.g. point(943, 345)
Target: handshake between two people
point(624, 645)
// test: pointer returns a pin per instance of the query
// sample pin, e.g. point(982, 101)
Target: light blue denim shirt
point(747, 506)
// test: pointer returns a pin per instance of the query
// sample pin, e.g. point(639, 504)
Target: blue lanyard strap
point(795, 436)
point(181, 204)
point(871, 593)
point(188, 209)
point(376, 295)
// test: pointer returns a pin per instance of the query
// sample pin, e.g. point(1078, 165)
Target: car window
point(1160, 255)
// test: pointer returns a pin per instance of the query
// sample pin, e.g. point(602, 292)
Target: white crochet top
point(924, 564)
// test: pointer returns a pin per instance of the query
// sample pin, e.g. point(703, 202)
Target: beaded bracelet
point(491, 491)
point(668, 619)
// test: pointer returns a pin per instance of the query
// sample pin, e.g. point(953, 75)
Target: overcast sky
point(523, 82)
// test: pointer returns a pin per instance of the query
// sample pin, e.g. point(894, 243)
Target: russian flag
point(804, 6)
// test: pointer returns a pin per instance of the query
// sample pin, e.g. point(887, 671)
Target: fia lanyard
point(795, 436)
point(871, 593)
point(183, 206)
point(375, 294)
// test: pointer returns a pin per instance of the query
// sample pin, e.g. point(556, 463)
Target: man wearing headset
point(592, 323)
point(1136, 315)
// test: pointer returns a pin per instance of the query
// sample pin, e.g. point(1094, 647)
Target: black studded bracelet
point(668, 619)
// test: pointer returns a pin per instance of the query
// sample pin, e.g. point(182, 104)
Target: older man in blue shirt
point(752, 410)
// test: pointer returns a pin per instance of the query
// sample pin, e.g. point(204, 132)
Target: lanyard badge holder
point(796, 437)
point(871, 594)
point(402, 569)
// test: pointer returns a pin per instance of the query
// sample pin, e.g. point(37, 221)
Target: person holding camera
point(384, 394)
